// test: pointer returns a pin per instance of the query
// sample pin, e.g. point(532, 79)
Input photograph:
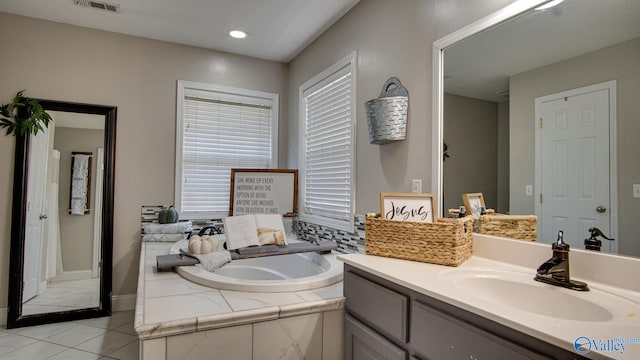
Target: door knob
point(601, 209)
point(43, 217)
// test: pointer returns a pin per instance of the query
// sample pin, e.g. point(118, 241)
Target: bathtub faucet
point(555, 271)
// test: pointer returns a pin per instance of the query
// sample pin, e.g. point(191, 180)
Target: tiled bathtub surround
point(178, 319)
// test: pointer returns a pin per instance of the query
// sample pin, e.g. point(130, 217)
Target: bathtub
point(278, 273)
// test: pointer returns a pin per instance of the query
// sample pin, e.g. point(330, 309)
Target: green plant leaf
point(18, 98)
point(8, 124)
point(24, 115)
point(4, 110)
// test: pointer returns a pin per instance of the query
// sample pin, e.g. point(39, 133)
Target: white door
point(573, 159)
point(36, 214)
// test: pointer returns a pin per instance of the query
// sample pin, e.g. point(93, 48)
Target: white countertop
point(435, 281)
point(168, 304)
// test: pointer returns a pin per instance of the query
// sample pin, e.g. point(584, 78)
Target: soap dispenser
point(593, 243)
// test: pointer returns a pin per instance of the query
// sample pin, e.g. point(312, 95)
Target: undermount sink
point(519, 291)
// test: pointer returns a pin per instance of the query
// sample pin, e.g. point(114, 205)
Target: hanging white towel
point(78, 188)
point(77, 207)
point(80, 165)
point(79, 184)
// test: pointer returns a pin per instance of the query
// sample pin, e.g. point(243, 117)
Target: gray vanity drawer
point(362, 343)
point(384, 309)
point(436, 335)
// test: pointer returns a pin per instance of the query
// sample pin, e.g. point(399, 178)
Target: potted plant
point(23, 115)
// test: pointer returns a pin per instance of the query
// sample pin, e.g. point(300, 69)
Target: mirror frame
point(512, 10)
point(15, 318)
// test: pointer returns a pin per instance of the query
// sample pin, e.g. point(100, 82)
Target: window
point(220, 128)
point(327, 146)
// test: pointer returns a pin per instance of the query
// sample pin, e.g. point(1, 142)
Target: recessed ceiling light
point(550, 4)
point(237, 34)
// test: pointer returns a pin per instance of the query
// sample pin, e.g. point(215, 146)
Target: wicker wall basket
point(444, 242)
point(387, 115)
point(522, 227)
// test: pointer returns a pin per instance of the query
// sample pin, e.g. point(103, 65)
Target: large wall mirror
point(536, 106)
point(62, 217)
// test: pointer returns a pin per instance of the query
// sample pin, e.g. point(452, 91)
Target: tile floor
point(65, 295)
point(103, 338)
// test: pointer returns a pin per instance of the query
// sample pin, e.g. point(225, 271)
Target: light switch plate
point(528, 190)
point(416, 186)
point(636, 190)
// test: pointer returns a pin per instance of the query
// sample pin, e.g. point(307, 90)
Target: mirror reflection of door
point(36, 212)
point(572, 157)
point(491, 81)
point(62, 248)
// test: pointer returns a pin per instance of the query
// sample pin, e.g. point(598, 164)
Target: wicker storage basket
point(523, 227)
point(454, 213)
point(387, 115)
point(444, 242)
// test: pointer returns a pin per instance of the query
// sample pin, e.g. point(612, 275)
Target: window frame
point(224, 93)
point(319, 80)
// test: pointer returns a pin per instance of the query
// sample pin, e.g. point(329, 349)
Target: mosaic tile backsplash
point(347, 242)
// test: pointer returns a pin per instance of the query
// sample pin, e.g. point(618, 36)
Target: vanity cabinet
point(363, 343)
point(384, 320)
point(440, 336)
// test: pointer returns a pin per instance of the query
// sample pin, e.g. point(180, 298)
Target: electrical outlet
point(528, 190)
point(416, 186)
point(636, 190)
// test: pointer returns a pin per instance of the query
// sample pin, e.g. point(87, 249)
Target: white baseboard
point(73, 275)
point(123, 302)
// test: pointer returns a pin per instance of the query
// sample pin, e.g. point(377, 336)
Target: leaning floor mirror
point(62, 217)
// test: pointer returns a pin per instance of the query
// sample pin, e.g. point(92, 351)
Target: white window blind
point(220, 130)
point(328, 148)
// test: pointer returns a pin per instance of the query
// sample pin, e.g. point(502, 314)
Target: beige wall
point(471, 134)
point(392, 38)
point(61, 62)
point(68, 63)
point(619, 62)
point(76, 232)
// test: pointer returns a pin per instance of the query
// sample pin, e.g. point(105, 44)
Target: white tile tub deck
point(178, 319)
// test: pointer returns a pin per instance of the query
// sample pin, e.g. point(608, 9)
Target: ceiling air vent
point(98, 5)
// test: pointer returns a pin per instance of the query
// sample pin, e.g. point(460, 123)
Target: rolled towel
point(176, 228)
point(164, 237)
point(213, 260)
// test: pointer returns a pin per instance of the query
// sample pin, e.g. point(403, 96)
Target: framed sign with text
point(407, 207)
point(263, 191)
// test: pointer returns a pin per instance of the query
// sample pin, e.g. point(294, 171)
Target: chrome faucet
point(555, 271)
